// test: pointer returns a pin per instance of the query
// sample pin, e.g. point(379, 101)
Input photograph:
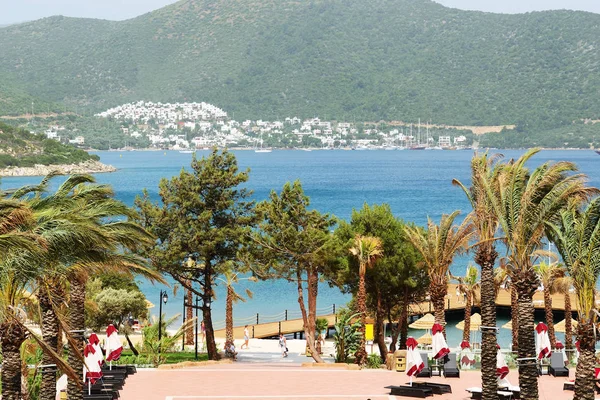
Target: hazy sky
point(12, 11)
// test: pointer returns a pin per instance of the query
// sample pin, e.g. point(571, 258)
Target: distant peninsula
point(23, 153)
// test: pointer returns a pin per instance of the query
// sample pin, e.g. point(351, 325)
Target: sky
point(15, 11)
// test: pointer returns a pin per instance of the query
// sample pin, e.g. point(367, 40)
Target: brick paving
point(291, 382)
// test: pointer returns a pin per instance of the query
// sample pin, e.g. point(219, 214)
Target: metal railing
point(285, 315)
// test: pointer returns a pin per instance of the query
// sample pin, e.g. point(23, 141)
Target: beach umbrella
point(95, 342)
point(439, 345)
point(542, 343)
point(560, 327)
point(149, 304)
point(414, 362)
point(91, 367)
point(508, 325)
point(425, 322)
point(113, 344)
point(425, 339)
point(467, 360)
point(61, 385)
point(501, 366)
point(561, 347)
point(475, 323)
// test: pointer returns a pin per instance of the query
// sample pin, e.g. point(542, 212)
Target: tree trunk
point(49, 325)
point(584, 373)
point(403, 321)
point(309, 318)
point(229, 317)
point(485, 257)
point(549, 316)
point(467, 327)
point(76, 323)
point(361, 305)
point(211, 346)
point(12, 337)
point(568, 326)
point(380, 328)
point(189, 315)
point(528, 373)
point(438, 298)
point(514, 313)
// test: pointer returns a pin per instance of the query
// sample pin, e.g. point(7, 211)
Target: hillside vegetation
point(339, 59)
point(20, 148)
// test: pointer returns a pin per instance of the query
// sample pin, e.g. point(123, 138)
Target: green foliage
point(373, 361)
point(156, 350)
point(115, 306)
point(347, 335)
point(341, 59)
point(321, 325)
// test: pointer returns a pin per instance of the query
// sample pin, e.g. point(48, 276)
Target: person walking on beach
point(283, 345)
point(246, 338)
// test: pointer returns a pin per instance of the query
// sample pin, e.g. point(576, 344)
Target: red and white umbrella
point(467, 359)
point(113, 344)
point(91, 368)
point(501, 366)
point(542, 343)
point(414, 362)
point(95, 342)
point(561, 347)
point(438, 342)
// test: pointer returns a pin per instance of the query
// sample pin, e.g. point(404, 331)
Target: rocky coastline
point(86, 167)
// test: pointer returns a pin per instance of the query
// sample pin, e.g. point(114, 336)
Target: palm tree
point(230, 278)
point(548, 273)
point(563, 286)
point(438, 245)
point(469, 286)
point(485, 186)
point(577, 237)
point(527, 201)
point(367, 249)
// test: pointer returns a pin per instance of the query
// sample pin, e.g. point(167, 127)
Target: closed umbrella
point(95, 342)
point(439, 345)
point(542, 342)
point(501, 366)
point(91, 367)
point(425, 322)
point(113, 344)
point(561, 347)
point(414, 362)
point(467, 359)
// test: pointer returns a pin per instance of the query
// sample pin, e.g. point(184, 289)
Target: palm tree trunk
point(12, 337)
point(467, 327)
point(361, 305)
point(403, 321)
point(438, 298)
point(485, 257)
point(49, 325)
point(568, 325)
point(549, 316)
point(379, 328)
point(514, 313)
point(528, 373)
point(76, 323)
point(189, 315)
point(584, 373)
point(229, 317)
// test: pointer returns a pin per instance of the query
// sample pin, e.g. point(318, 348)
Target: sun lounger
point(476, 393)
point(450, 366)
point(557, 365)
point(410, 391)
point(568, 385)
point(426, 371)
point(437, 388)
point(97, 396)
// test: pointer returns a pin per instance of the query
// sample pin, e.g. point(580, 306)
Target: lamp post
point(164, 297)
point(196, 337)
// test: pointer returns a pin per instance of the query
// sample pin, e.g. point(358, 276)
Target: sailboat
point(262, 150)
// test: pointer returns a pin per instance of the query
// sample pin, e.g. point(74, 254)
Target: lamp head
point(165, 297)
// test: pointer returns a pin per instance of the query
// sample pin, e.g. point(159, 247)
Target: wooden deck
point(453, 303)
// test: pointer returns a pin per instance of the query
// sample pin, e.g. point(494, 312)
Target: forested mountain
point(339, 59)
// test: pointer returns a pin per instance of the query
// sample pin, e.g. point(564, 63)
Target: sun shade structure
point(508, 325)
point(149, 304)
point(425, 339)
point(425, 322)
point(475, 323)
point(560, 327)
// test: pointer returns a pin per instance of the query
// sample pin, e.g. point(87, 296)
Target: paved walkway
point(291, 382)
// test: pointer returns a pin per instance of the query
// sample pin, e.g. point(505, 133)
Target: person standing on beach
point(283, 345)
point(246, 338)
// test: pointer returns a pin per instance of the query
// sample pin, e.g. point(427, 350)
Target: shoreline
point(86, 167)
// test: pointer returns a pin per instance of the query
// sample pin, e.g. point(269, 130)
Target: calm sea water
point(416, 184)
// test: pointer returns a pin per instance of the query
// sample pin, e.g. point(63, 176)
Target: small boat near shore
point(186, 151)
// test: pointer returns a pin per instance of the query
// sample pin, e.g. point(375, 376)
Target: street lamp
point(164, 297)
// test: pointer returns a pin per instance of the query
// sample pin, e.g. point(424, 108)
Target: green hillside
point(20, 148)
point(339, 59)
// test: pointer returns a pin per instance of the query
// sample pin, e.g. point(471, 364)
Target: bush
point(373, 361)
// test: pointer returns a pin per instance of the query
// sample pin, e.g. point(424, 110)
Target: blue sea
point(416, 184)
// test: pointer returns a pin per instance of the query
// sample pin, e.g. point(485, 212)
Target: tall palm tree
point(230, 279)
point(577, 237)
point(484, 189)
point(548, 273)
point(563, 286)
point(367, 250)
point(438, 245)
point(527, 201)
point(469, 285)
